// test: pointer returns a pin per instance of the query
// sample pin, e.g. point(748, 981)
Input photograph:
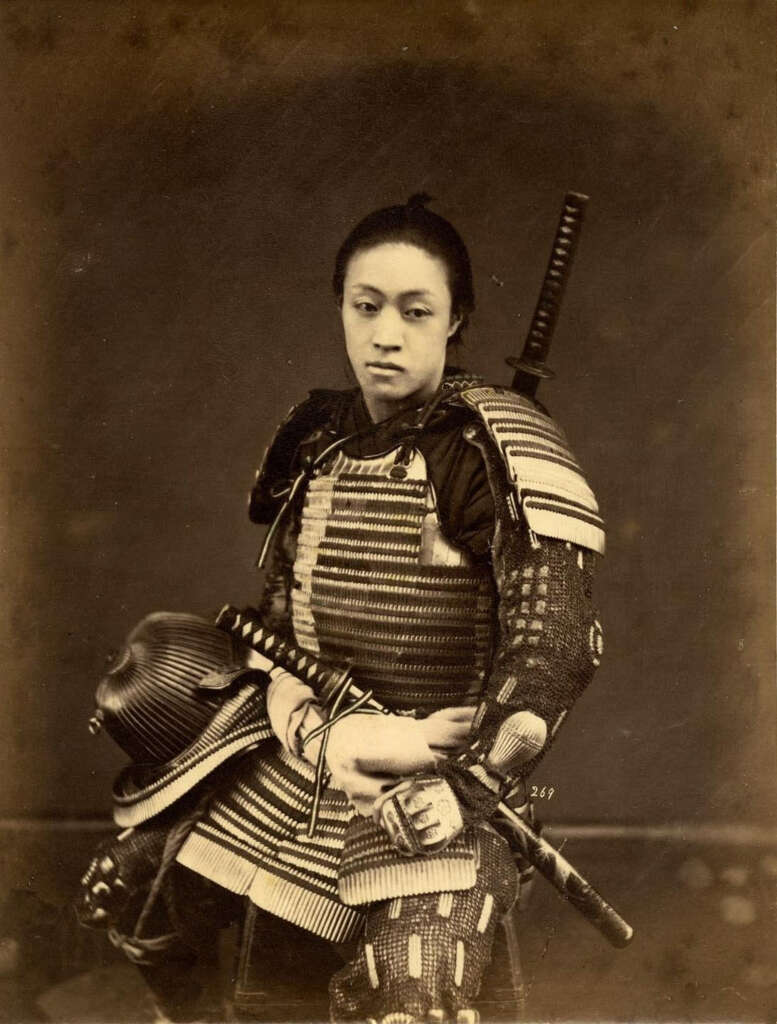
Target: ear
point(455, 324)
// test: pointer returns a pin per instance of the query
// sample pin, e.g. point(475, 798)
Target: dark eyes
point(411, 313)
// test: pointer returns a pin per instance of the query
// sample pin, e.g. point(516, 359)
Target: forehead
point(394, 267)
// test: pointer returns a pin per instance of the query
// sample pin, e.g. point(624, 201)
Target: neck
point(381, 409)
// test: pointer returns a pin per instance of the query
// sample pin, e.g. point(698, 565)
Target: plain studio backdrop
point(175, 181)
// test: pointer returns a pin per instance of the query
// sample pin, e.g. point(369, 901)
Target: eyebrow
point(414, 293)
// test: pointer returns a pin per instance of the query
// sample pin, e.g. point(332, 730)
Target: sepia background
point(175, 179)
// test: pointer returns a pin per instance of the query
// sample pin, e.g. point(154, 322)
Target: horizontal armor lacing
point(554, 494)
point(419, 635)
point(253, 840)
point(412, 618)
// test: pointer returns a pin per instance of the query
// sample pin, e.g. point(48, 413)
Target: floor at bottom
point(704, 946)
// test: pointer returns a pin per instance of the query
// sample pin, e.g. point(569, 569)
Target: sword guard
point(528, 366)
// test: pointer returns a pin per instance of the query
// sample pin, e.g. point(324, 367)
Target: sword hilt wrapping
point(531, 366)
point(324, 681)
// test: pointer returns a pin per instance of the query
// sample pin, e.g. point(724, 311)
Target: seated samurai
point(435, 536)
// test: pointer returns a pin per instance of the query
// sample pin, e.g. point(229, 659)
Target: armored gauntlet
point(116, 883)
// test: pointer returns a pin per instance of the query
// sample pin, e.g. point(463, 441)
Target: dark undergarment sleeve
point(473, 527)
point(458, 475)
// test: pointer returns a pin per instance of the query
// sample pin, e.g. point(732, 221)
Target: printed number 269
point(542, 792)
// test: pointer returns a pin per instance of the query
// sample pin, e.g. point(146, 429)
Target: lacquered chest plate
point(379, 587)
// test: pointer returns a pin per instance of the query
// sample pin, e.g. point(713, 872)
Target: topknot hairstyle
point(414, 224)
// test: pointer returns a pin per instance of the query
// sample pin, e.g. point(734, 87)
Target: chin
point(392, 394)
point(388, 389)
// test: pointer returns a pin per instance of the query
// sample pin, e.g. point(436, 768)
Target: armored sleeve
point(549, 640)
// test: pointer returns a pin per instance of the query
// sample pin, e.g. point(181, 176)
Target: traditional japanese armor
point(446, 559)
point(377, 586)
point(363, 574)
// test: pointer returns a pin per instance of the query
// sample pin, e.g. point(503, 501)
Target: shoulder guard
point(278, 466)
point(549, 484)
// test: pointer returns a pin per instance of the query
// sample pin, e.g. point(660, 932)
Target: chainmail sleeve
point(549, 643)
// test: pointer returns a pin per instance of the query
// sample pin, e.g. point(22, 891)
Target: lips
point(384, 366)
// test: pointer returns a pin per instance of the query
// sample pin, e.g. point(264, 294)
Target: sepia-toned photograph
point(388, 536)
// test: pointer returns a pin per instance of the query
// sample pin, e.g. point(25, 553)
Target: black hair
point(414, 225)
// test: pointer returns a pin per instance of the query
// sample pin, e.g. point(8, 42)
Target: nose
point(387, 335)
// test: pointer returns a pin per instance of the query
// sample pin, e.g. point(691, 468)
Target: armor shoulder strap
point(551, 489)
point(278, 464)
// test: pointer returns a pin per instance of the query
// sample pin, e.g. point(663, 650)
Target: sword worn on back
point(530, 366)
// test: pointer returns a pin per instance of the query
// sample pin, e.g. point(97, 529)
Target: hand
point(447, 731)
point(368, 753)
point(420, 815)
point(290, 703)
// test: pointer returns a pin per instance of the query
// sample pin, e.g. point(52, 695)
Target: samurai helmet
point(180, 699)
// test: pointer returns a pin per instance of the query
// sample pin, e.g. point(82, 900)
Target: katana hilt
point(530, 366)
point(325, 681)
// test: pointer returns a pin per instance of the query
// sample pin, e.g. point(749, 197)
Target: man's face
point(397, 320)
